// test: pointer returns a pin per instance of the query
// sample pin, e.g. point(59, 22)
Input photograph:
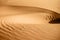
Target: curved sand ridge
point(27, 27)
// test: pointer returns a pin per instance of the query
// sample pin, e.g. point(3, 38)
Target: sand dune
point(13, 31)
point(17, 28)
point(31, 24)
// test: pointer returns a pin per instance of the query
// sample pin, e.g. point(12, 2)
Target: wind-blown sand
point(29, 25)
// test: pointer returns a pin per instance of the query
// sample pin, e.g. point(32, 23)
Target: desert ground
point(24, 22)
